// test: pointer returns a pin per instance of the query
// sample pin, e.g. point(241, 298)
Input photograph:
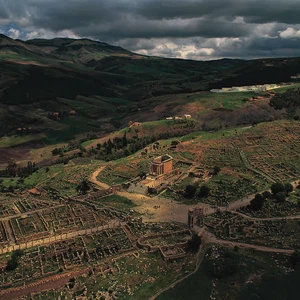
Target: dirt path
point(296, 217)
point(239, 203)
point(94, 179)
point(255, 247)
point(210, 238)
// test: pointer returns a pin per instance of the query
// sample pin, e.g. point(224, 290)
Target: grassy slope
point(249, 265)
point(197, 286)
point(96, 88)
point(274, 287)
point(10, 141)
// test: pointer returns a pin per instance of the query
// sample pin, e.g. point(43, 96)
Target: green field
point(87, 143)
point(224, 100)
point(117, 202)
point(10, 141)
point(286, 88)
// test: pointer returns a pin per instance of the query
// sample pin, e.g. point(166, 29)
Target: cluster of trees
point(15, 170)
point(279, 192)
point(203, 191)
point(289, 100)
point(61, 151)
point(57, 151)
point(257, 202)
point(116, 144)
point(13, 262)
point(192, 191)
point(119, 147)
point(74, 144)
point(123, 146)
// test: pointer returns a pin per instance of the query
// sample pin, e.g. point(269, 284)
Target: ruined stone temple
point(161, 165)
point(195, 217)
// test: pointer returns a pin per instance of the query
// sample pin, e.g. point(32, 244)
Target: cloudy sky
point(193, 29)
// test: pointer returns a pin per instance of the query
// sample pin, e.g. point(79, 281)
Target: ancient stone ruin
point(195, 217)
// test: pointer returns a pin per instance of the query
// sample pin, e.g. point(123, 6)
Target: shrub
point(277, 188)
point(190, 191)
point(266, 194)
point(217, 170)
point(288, 188)
point(203, 191)
point(194, 243)
point(13, 262)
point(257, 203)
point(280, 197)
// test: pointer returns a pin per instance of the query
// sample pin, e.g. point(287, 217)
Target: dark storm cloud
point(257, 11)
point(104, 19)
point(66, 14)
point(3, 13)
point(187, 28)
point(141, 28)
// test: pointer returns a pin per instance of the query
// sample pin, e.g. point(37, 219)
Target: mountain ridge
point(36, 74)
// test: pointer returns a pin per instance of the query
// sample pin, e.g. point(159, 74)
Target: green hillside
point(107, 86)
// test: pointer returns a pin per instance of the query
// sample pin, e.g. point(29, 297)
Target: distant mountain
point(40, 76)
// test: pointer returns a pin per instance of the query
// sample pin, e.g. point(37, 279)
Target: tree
point(127, 152)
point(83, 186)
point(203, 191)
point(288, 188)
point(12, 263)
point(194, 243)
point(57, 151)
point(217, 170)
point(289, 100)
point(280, 197)
point(266, 194)
point(257, 203)
point(190, 191)
point(124, 140)
point(12, 169)
point(277, 188)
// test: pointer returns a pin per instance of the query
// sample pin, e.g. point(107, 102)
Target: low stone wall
point(167, 257)
point(141, 244)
